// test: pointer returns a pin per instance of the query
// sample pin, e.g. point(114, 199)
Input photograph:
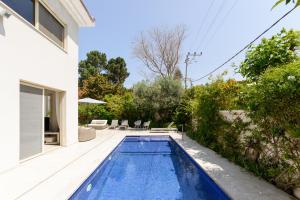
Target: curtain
point(54, 116)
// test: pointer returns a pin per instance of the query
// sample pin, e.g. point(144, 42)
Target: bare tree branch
point(159, 49)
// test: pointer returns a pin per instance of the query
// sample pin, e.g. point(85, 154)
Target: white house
point(38, 69)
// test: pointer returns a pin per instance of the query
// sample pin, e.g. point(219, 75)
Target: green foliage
point(122, 106)
point(97, 77)
point(88, 112)
point(216, 96)
point(275, 98)
point(91, 66)
point(271, 148)
point(98, 86)
point(116, 71)
point(296, 2)
point(279, 49)
point(184, 114)
point(273, 102)
point(157, 100)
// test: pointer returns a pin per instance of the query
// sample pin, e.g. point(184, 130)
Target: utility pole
point(188, 60)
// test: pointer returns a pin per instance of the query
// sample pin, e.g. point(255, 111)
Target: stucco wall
point(25, 54)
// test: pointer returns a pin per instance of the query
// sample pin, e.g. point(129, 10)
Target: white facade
point(28, 56)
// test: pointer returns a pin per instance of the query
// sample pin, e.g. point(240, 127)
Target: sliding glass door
point(31, 121)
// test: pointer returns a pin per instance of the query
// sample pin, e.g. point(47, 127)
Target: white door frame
point(62, 110)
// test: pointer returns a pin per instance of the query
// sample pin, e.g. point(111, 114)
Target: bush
point(271, 148)
point(122, 106)
point(275, 98)
point(88, 112)
point(275, 109)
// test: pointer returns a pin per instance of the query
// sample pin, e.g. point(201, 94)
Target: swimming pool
point(149, 168)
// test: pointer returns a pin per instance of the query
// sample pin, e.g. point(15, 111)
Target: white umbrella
point(91, 101)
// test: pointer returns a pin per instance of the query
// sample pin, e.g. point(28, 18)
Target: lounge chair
point(146, 125)
point(98, 124)
point(137, 124)
point(86, 134)
point(162, 130)
point(124, 124)
point(114, 124)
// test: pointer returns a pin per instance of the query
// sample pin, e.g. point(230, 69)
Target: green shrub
point(275, 98)
point(122, 106)
point(88, 112)
point(274, 107)
point(271, 148)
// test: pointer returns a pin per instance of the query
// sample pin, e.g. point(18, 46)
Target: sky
point(218, 32)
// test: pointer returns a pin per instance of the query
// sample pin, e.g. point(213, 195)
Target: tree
point(98, 86)
point(279, 49)
point(159, 50)
point(91, 66)
point(157, 100)
point(116, 70)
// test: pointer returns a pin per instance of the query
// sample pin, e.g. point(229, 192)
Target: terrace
point(57, 173)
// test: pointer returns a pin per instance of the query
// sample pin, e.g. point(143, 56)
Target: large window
point(25, 8)
point(47, 23)
point(50, 26)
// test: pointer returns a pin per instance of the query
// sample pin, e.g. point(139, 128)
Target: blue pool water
point(149, 168)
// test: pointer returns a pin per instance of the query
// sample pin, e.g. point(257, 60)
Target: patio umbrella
point(91, 101)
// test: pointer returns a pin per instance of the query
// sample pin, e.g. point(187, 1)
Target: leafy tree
point(91, 66)
point(97, 77)
point(116, 70)
point(122, 106)
point(279, 49)
point(98, 86)
point(157, 100)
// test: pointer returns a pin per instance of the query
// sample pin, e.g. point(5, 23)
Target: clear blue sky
point(118, 22)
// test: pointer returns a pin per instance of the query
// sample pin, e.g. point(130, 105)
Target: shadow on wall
point(2, 30)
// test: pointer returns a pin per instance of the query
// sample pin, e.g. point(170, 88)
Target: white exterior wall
point(26, 54)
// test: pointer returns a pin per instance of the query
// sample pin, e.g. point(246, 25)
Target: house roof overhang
point(79, 12)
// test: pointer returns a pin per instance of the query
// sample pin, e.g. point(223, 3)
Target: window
point(47, 23)
point(25, 8)
point(50, 26)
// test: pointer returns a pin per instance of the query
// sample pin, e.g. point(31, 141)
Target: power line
point(240, 51)
point(212, 23)
point(221, 23)
point(202, 23)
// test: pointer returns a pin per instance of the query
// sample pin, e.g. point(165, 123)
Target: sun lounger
point(137, 124)
point(163, 130)
point(146, 125)
point(124, 124)
point(114, 124)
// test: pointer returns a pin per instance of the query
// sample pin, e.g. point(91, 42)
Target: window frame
point(35, 26)
point(37, 12)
